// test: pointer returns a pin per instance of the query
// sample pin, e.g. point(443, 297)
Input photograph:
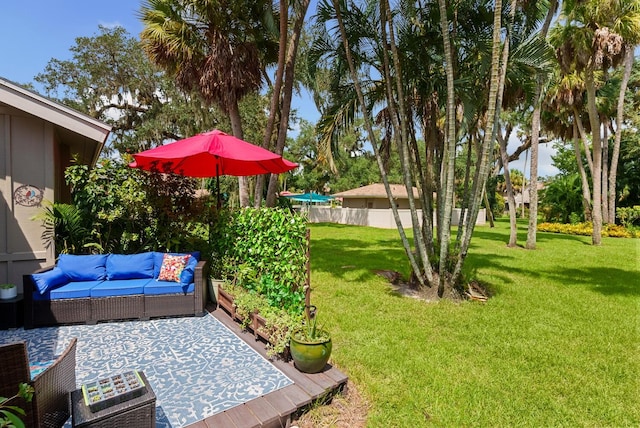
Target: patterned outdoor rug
point(195, 365)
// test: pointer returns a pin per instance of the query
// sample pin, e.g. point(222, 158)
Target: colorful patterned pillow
point(172, 267)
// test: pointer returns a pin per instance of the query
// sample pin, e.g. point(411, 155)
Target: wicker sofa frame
point(87, 310)
point(50, 404)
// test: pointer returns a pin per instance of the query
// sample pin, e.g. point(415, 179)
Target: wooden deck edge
point(277, 408)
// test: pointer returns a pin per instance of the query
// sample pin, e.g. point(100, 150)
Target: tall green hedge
point(266, 253)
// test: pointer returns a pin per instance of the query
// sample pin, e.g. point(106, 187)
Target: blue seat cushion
point(155, 287)
point(37, 367)
point(130, 266)
point(186, 277)
point(72, 290)
point(119, 287)
point(83, 267)
point(50, 279)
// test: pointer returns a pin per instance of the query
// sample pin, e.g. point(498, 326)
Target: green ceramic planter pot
point(309, 357)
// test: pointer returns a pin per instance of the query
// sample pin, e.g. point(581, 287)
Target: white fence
point(382, 218)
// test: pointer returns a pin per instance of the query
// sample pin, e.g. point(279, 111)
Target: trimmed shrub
point(586, 229)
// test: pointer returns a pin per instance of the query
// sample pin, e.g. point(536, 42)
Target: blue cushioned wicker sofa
point(92, 288)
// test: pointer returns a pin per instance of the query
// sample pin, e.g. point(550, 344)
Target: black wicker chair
point(50, 404)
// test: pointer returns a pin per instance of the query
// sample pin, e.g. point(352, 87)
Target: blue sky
point(35, 31)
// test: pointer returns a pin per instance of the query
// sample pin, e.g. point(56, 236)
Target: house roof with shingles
point(376, 191)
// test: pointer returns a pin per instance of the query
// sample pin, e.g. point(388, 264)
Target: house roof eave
point(59, 115)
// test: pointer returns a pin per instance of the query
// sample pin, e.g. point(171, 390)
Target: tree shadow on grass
point(503, 235)
point(477, 261)
point(605, 280)
point(549, 236)
point(340, 256)
point(608, 281)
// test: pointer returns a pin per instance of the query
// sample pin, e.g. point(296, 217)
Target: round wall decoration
point(28, 195)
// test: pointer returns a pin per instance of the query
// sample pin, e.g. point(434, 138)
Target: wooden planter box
point(225, 300)
point(258, 325)
point(237, 316)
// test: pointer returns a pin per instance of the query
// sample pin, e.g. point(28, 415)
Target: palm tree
point(535, 136)
point(630, 18)
point(525, 55)
point(394, 60)
point(217, 48)
point(593, 37)
point(282, 95)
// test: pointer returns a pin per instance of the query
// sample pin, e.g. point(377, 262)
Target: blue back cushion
point(186, 277)
point(130, 266)
point(50, 279)
point(83, 268)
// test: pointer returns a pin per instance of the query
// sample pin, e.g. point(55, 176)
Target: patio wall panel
point(26, 146)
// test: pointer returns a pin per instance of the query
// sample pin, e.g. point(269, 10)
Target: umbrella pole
point(219, 202)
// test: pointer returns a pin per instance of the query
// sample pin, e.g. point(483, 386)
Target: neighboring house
point(38, 138)
point(521, 198)
point(375, 196)
point(369, 206)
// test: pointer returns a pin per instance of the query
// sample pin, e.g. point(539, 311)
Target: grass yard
point(558, 344)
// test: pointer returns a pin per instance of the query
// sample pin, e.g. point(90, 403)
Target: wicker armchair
point(50, 404)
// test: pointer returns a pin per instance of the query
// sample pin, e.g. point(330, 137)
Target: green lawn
point(557, 344)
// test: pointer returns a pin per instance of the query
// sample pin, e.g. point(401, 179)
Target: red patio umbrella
point(212, 154)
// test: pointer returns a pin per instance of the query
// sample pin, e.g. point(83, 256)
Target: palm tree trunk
point(289, 77)
point(605, 172)
point(489, 211)
point(448, 158)
point(466, 191)
point(523, 187)
point(372, 138)
point(594, 119)
point(236, 129)
point(532, 229)
point(586, 191)
point(513, 235)
point(613, 170)
point(430, 179)
point(483, 167)
point(584, 139)
point(275, 95)
point(401, 137)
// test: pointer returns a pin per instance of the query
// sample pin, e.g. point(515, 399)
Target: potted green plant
point(8, 291)
point(310, 345)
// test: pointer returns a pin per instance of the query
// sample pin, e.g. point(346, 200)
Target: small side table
point(138, 412)
point(11, 312)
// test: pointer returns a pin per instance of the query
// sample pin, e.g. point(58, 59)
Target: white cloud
point(110, 25)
